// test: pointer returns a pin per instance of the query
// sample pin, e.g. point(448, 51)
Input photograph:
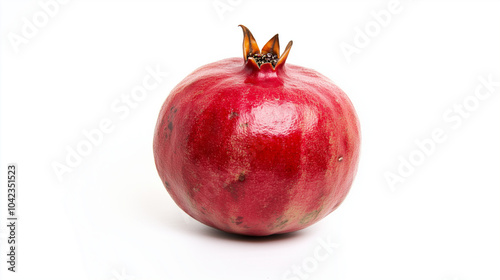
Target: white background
point(110, 217)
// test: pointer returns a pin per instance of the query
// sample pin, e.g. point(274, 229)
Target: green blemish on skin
point(279, 224)
point(309, 217)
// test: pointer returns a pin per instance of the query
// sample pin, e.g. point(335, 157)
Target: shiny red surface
point(257, 151)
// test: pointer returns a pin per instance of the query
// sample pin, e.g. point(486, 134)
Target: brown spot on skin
point(241, 177)
point(234, 186)
point(237, 221)
point(167, 185)
point(170, 126)
point(233, 115)
point(244, 125)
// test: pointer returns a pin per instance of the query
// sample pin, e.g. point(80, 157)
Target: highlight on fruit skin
point(256, 146)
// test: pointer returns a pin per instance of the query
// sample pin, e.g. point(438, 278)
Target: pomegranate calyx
point(250, 46)
point(284, 56)
point(270, 52)
point(272, 47)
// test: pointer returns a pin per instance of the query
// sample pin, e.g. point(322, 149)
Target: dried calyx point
point(270, 52)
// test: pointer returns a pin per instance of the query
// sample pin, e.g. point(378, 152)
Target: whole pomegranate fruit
point(255, 146)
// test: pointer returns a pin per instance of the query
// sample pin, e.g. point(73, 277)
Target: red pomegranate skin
point(257, 151)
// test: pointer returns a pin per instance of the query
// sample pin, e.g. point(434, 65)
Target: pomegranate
point(255, 146)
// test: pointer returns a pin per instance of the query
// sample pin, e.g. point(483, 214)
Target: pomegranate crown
point(270, 52)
